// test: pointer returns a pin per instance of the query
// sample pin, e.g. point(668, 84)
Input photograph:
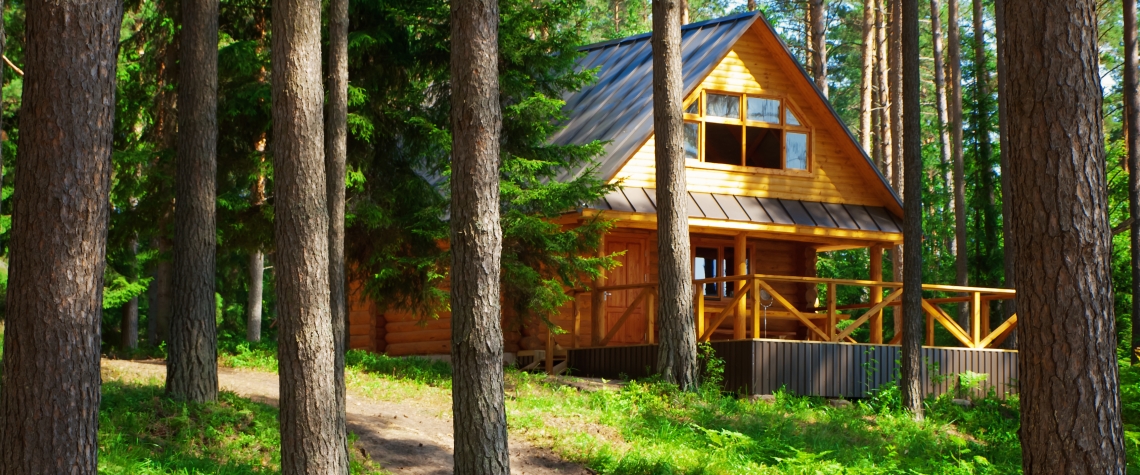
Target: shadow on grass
point(142, 432)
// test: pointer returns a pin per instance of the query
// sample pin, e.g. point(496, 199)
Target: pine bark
point(817, 13)
point(129, 327)
point(895, 57)
point(49, 402)
point(1132, 111)
point(677, 353)
point(910, 382)
point(1068, 375)
point(884, 86)
point(336, 137)
point(158, 316)
point(192, 352)
point(477, 240)
point(306, 347)
point(256, 294)
point(866, 85)
point(954, 83)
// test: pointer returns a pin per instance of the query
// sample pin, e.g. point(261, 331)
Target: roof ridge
point(690, 26)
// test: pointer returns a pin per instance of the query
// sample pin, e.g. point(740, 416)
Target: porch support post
point(876, 294)
point(598, 303)
point(740, 256)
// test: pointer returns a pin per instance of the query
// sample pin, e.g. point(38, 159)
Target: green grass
point(142, 432)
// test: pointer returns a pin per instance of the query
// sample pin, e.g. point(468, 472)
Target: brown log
point(416, 336)
point(419, 348)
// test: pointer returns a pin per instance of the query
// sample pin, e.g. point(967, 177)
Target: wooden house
point(774, 177)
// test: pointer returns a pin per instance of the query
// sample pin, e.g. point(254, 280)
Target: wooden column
point(598, 303)
point(700, 314)
point(549, 351)
point(740, 256)
point(976, 322)
point(877, 294)
point(651, 318)
point(832, 320)
point(577, 322)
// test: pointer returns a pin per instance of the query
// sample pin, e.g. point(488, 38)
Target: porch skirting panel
point(814, 368)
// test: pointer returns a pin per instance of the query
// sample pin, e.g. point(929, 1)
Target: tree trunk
point(192, 358)
point(751, 5)
point(1132, 110)
point(961, 271)
point(940, 106)
point(677, 353)
point(306, 347)
point(817, 12)
point(910, 382)
point(49, 403)
point(898, 134)
point(129, 329)
point(1009, 307)
point(158, 317)
point(684, 12)
point(477, 241)
point(984, 156)
point(1068, 375)
point(336, 137)
point(884, 86)
point(256, 283)
point(866, 85)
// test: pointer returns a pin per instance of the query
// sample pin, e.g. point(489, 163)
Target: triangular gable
point(618, 108)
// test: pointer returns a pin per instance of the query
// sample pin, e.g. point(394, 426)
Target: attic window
point(746, 130)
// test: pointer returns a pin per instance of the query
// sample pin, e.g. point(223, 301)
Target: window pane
point(704, 267)
point(692, 131)
point(796, 151)
point(729, 270)
point(763, 147)
point(694, 107)
point(790, 118)
point(722, 105)
point(764, 110)
point(723, 143)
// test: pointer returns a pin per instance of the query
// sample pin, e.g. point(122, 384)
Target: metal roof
point(760, 210)
point(618, 107)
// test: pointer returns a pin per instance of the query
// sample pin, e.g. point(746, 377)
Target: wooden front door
point(633, 270)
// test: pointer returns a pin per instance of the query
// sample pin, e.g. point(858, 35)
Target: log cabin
point(774, 177)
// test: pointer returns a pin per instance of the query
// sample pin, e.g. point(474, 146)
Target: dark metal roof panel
point(776, 211)
point(820, 215)
point(884, 219)
point(708, 205)
point(618, 202)
point(861, 217)
point(839, 213)
point(798, 213)
point(731, 208)
point(755, 212)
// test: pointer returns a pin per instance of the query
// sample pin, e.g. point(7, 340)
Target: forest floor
point(408, 436)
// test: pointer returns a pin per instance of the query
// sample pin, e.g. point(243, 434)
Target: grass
point(142, 432)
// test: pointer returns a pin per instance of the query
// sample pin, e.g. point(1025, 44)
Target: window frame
point(786, 105)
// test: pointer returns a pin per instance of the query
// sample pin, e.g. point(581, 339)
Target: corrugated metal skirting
point(813, 368)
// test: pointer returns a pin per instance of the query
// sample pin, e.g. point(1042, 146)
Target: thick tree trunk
point(158, 315)
point(49, 402)
point(1009, 307)
point(306, 348)
point(895, 56)
point(256, 287)
point(192, 352)
point(910, 383)
point(677, 353)
point(336, 137)
point(954, 83)
point(129, 328)
point(477, 241)
point(1067, 368)
point(866, 85)
point(817, 12)
point(1132, 111)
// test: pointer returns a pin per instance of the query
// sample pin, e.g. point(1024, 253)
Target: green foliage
point(413, 369)
point(400, 152)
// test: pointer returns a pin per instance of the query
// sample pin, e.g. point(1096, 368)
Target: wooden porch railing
point(820, 326)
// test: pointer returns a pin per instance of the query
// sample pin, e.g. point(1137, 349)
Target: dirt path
point(402, 438)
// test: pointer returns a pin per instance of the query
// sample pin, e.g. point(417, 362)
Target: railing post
point(700, 316)
point(831, 315)
point(986, 328)
point(877, 294)
point(929, 329)
point(577, 323)
point(740, 256)
point(976, 322)
point(755, 307)
point(651, 317)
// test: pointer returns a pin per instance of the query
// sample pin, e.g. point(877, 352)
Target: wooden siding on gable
point(839, 172)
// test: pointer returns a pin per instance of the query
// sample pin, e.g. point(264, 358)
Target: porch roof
point(751, 209)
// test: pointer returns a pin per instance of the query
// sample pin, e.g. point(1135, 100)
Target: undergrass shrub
point(408, 368)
